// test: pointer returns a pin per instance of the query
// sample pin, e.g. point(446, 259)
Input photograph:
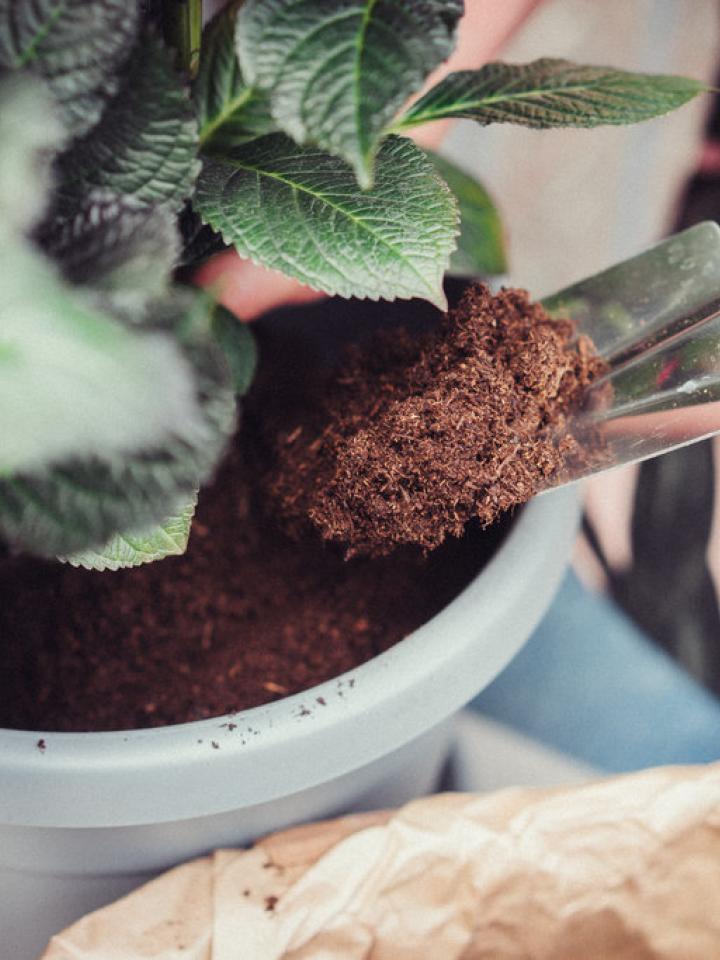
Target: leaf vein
point(340, 210)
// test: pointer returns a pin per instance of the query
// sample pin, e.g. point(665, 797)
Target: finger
point(248, 290)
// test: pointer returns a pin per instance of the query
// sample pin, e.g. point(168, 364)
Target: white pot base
point(93, 814)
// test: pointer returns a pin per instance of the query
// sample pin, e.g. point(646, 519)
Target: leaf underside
point(78, 383)
point(481, 245)
point(339, 71)
point(76, 50)
point(551, 93)
point(145, 145)
point(30, 136)
point(80, 504)
point(167, 539)
point(300, 211)
point(238, 345)
point(108, 427)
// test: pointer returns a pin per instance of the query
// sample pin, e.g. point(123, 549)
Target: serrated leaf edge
point(412, 118)
point(437, 298)
point(101, 563)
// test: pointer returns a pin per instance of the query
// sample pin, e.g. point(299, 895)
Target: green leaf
point(167, 539)
point(75, 46)
point(117, 245)
point(300, 211)
point(481, 244)
point(551, 93)
point(339, 71)
point(30, 134)
point(145, 146)
point(238, 344)
point(78, 383)
point(109, 424)
point(73, 503)
point(79, 505)
point(229, 111)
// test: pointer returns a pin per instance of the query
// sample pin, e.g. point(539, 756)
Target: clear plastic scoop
point(656, 320)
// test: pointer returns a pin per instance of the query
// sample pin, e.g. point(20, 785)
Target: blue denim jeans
point(590, 684)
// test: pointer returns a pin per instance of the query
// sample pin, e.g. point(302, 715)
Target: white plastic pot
point(92, 815)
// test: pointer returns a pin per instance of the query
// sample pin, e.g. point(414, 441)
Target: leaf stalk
point(182, 28)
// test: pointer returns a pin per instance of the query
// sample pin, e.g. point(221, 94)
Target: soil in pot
point(244, 617)
point(250, 613)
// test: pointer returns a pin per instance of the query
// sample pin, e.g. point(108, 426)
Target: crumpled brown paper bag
point(626, 868)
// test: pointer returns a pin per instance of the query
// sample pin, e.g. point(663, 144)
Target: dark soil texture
point(245, 617)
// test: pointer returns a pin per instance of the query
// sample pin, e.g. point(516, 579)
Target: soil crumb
point(411, 440)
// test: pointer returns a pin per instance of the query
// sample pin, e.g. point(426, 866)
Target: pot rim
point(209, 766)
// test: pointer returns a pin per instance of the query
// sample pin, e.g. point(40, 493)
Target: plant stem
point(182, 26)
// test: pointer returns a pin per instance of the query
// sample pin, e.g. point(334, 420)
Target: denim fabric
point(590, 684)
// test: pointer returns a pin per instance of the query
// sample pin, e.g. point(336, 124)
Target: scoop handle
point(649, 298)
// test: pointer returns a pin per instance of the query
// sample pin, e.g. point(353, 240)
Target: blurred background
point(575, 201)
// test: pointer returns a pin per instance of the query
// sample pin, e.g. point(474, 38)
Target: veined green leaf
point(69, 503)
point(339, 71)
point(80, 505)
point(117, 245)
point(238, 344)
point(481, 244)
point(145, 146)
point(167, 539)
point(230, 112)
point(300, 211)
point(76, 46)
point(551, 93)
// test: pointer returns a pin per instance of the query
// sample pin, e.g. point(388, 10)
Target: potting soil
point(246, 616)
point(401, 446)
point(416, 437)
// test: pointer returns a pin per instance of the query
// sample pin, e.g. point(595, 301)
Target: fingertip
point(247, 289)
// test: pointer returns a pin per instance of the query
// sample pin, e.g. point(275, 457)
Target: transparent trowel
point(655, 319)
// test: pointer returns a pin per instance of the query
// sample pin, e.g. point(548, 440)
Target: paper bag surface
point(626, 868)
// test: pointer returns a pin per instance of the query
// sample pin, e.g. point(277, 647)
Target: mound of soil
point(414, 438)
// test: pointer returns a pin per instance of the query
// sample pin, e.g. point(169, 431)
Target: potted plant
point(132, 149)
